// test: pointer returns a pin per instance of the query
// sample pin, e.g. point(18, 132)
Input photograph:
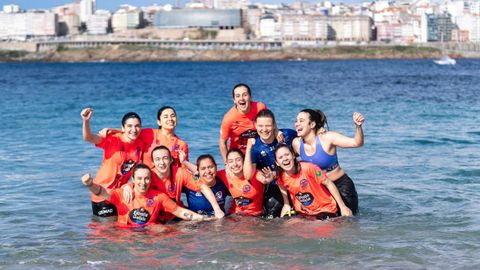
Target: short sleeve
point(167, 204)
point(188, 180)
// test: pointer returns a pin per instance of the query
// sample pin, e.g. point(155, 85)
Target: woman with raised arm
point(146, 205)
point(311, 192)
point(318, 145)
point(122, 151)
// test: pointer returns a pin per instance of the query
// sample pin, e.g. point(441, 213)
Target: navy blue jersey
point(199, 204)
point(263, 153)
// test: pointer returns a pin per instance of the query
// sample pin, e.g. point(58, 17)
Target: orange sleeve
point(168, 205)
point(105, 142)
point(188, 179)
point(184, 148)
point(116, 196)
point(261, 106)
point(320, 175)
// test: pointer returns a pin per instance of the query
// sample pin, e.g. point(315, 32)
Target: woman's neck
point(310, 138)
point(167, 132)
point(162, 176)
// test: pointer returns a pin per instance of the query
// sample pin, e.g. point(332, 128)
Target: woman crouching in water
point(146, 204)
point(312, 193)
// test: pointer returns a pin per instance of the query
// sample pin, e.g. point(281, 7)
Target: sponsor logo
point(303, 183)
point(127, 166)
point(242, 201)
point(171, 188)
point(246, 188)
point(263, 153)
point(139, 215)
point(305, 199)
point(318, 173)
point(198, 194)
point(105, 211)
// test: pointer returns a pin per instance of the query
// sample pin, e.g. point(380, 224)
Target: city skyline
point(114, 4)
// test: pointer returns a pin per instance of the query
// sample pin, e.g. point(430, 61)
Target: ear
point(159, 123)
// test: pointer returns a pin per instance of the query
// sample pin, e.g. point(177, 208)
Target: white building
point(231, 4)
point(127, 17)
point(87, 8)
point(21, 26)
point(269, 28)
point(11, 8)
point(99, 23)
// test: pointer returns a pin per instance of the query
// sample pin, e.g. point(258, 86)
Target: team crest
point(246, 188)
point(218, 195)
point(150, 201)
point(318, 173)
point(303, 183)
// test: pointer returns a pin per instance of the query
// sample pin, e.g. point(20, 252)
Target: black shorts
point(348, 192)
point(104, 209)
point(272, 201)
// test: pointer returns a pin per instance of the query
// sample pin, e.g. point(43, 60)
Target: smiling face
point(131, 128)
point(162, 161)
point(235, 163)
point(285, 159)
point(168, 119)
point(265, 128)
point(303, 124)
point(242, 99)
point(207, 171)
point(142, 180)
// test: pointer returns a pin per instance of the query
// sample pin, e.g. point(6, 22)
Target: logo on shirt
point(127, 166)
point(219, 195)
point(318, 173)
point(139, 215)
point(263, 153)
point(171, 188)
point(150, 201)
point(304, 198)
point(198, 194)
point(242, 201)
point(246, 188)
point(304, 183)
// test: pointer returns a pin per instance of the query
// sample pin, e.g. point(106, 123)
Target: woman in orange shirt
point(122, 151)
point(164, 135)
point(247, 193)
point(147, 203)
point(312, 193)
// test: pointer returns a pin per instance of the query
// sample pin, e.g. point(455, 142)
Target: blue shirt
point(263, 153)
point(199, 204)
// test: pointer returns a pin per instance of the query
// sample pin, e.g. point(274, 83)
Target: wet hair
point(138, 167)
point(236, 150)
point(278, 169)
point(266, 113)
point(205, 156)
point(318, 117)
point(160, 111)
point(131, 115)
point(241, 85)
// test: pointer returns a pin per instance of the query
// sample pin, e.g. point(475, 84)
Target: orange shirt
point(247, 195)
point(173, 189)
point(154, 137)
point(308, 194)
point(143, 209)
point(118, 159)
point(239, 127)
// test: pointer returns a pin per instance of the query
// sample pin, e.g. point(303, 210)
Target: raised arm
point(87, 134)
point(344, 210)
point(94, 188)
point(248, 166)
point(222, 143)
point(340, 140)
point(207, 192)
point(182, 156)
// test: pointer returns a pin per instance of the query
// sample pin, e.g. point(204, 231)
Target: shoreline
point(133, 53)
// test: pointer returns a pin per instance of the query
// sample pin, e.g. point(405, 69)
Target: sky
point(114, 4)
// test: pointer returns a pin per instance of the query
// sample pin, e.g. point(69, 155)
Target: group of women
point(262, 174)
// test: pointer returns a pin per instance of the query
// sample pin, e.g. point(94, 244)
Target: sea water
point(417, 176)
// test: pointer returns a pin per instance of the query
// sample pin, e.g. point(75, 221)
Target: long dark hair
point(205, 156)
point(241, 85)
point(279, 171)
point(318, 117)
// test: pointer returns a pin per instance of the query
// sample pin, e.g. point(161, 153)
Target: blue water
point(418, 175)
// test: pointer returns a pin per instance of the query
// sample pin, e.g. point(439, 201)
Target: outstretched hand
point(358, 118)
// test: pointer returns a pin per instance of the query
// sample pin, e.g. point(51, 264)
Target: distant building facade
point(199, 18)
point(99, 23)
point(22, 26)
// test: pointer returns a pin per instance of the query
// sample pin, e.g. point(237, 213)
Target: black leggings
point(104, 209)
point(348, 192)
point(272, 201)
